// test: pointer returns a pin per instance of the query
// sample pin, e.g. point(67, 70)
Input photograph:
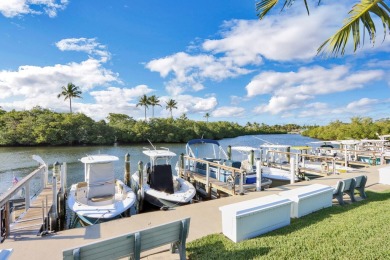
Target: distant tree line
point(359, 128)
point(40, 126)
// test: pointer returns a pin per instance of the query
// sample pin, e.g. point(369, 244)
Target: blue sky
point(211, 57)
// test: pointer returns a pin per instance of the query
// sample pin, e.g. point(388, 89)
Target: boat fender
point(165, 208)
point(230, 180)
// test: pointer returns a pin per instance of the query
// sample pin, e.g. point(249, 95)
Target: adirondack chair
point(132, 244)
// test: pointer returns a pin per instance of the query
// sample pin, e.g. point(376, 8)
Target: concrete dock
point(205, 220)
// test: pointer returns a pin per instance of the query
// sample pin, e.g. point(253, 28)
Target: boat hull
point(89, 211)
point(184, 193)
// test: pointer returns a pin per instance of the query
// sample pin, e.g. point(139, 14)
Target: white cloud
point(119, 96)
point(236, 100)
point(246, 43)
point(30, 86)
point(12, 8)
point(363, 105)
point(115, 100)
point(90, 46)
point(291, 90)
point(360, 104)
point(276, 38)
point(190, 71)
point(228, 112)
point(311, 81)
point(278, 104)
point(190, 104)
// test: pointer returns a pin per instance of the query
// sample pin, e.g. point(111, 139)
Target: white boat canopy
point(246, 149)
point(275, 146)
point(159, 153)
point(374, 141)
point(99, 158)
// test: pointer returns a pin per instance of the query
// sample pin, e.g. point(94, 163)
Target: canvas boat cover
point(161, 178)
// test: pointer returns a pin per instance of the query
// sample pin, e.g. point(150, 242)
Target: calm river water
point(18, 162)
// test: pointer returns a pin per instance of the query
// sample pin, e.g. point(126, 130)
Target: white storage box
point(252, 218)
point(384, 175)
point(308, 199)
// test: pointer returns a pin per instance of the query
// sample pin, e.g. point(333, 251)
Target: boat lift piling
point(207, 186)
point(62, 196)
point(252, 158)
point(229, 152)
point(140, 192)
point(127, 178)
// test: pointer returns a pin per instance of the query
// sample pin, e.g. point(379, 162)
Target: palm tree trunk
point(70, 105)
point(145, 113)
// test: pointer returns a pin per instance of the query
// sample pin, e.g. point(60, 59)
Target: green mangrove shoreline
point(43, 127)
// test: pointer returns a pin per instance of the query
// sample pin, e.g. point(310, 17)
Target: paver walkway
point(205, 220)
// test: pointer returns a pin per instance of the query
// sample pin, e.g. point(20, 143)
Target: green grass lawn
point(355, 231)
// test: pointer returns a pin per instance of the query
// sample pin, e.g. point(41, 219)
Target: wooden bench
point(132, 244)
point(348, 186)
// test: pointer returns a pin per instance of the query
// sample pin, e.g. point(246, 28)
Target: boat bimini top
point(205, 148)
point(159, 154)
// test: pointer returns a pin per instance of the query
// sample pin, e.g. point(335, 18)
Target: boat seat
point(161, 178)
point(100, 180)
point(102, 198)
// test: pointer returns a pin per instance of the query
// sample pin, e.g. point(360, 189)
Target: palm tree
point(144, 101)
point(69, 92)
point(360, 14)
point(171, 104)
point(154, 101)
point(207, 115)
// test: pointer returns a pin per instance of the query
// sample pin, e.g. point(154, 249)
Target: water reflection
point(17, 161)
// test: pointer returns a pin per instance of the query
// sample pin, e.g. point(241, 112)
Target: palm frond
point(360, 13)
point(264, 6)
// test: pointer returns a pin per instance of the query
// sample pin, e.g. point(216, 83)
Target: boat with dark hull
point(157, 184)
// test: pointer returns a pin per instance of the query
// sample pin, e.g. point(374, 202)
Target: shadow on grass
point(217, 246)
point(318, 216)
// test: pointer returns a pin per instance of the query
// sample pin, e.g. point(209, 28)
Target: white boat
point(100, 197)
point(326, 167)
point(248, 164)
point(277, 154)
point(276, 174)
point(159, 186)
point(211, 150)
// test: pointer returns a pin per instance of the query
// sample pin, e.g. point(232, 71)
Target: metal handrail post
point(292, 170)
point(27, 195)
point(54, 197)
point(242, 182)
point(207, 179)
point(46, 176)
